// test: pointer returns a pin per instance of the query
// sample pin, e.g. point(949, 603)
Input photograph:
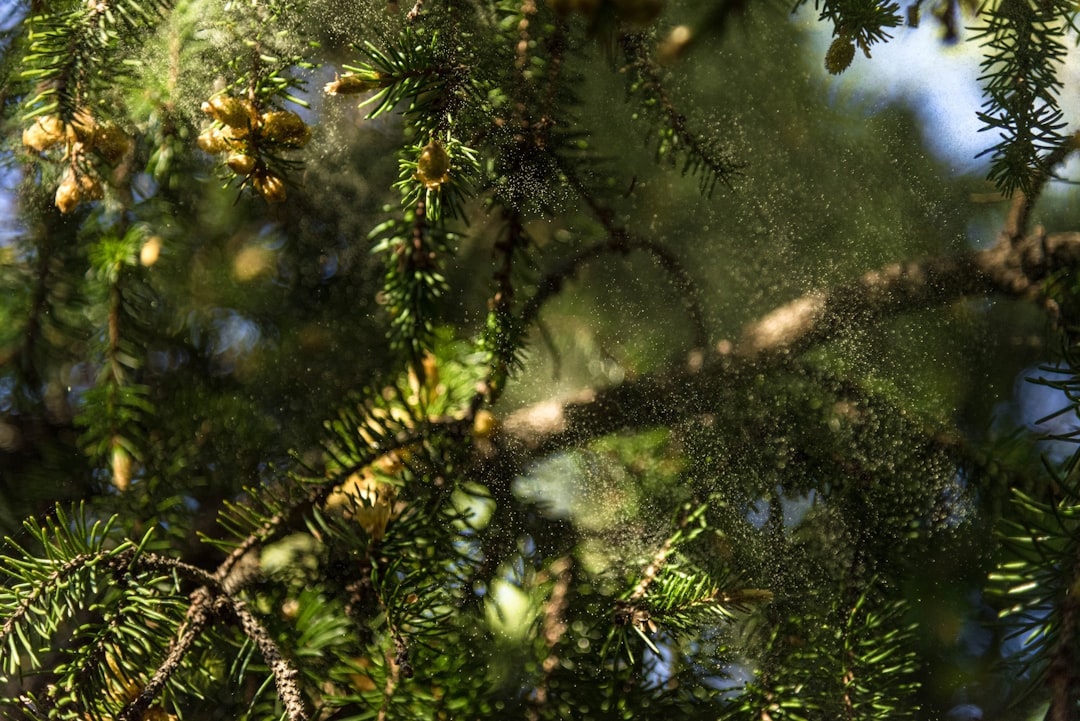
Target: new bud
point(214, 140)
point(433, 167)
point(839, 55)
point(111, 143)
point(352, 83)
point(241, 163)
point(44, 133)
point(270, 186)
point(285, 128)
point(75, 188)
point(67, 194)
point(234, 112)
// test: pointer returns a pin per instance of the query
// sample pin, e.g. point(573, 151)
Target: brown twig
point(521, 50)
point(284, 673)
point(388, 689)
point(205, 605)
point(199, 615)
point(398, 663)
point(399, 668)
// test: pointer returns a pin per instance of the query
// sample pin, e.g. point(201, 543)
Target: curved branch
point(552, 283)
point(205, 607)
point(23, 608)
point(154, 561)
point(619, 240)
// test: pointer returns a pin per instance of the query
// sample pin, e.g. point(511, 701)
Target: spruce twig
point(285, 674)
point(700, 159)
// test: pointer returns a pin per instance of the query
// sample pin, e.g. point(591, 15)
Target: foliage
point(1026, 45)
point(358, 360)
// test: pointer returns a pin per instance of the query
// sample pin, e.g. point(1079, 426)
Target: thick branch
point(1012, 269)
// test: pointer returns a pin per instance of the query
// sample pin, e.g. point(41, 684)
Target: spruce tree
point(541, 359)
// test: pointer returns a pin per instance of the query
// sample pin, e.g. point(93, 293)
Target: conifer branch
point(1035, 584)
point(157, 562)
point(67, 47)
point(199, 615)
point(1037, 580)
point(71, 549)
point(207, 603)
point(700, 158)
point(55, 579)
point(285, 674)
point(416, 582)
point(677, 594)
point(858, 664)
point(116, 410)
point(1025, 47)
point(502, 332)
point(655, 564)
point(859, 22)
point(1023, 201)
point(1012, 270)
point(270, 528)
point(400, 74)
